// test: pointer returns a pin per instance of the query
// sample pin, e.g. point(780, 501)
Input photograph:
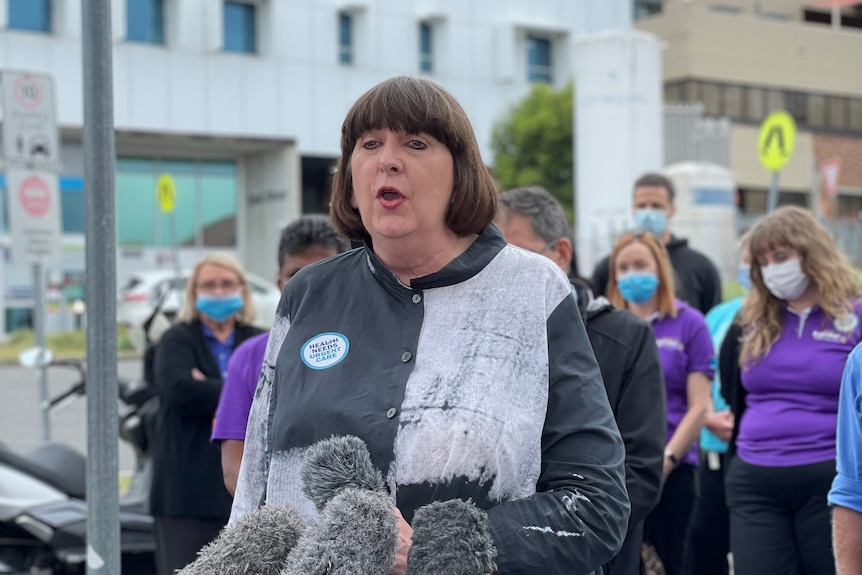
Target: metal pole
point(772, 198)
point(103, 521)
point(39, 328)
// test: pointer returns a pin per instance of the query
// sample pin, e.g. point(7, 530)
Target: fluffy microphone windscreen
point(356, 534)
point(451, 537)
point(259, 543)
point(334, 464)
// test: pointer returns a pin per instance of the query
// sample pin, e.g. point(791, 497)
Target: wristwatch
point(673, 458)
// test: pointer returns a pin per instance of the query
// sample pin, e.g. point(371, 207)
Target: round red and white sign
point(34, 196)
point(28, 92)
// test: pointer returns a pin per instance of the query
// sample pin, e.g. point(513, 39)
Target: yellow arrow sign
point(776, 141)
point(166, 193)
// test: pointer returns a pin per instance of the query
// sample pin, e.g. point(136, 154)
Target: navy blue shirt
point(221, 350)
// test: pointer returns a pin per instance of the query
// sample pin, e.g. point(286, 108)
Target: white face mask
point(786, 280)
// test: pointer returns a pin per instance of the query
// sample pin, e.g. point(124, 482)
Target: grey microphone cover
point(334, 464)
point(258, 544)
point(451, 537)
point(356, 534)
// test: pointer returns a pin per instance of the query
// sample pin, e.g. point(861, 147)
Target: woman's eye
point(417, 144)
point(370, 144)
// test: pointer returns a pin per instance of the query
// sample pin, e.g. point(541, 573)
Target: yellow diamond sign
point(776, 141)
point(166, 193)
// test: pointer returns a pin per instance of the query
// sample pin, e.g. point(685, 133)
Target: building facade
point(743, 59)
point(241, 102)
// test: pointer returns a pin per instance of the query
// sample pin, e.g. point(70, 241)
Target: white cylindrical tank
point(618, 133)
point(706, 212)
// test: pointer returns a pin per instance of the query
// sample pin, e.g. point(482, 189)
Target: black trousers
point(178, 540)
point(628, 560)
point(667, 526)
point(779, 518)
point(709, 532)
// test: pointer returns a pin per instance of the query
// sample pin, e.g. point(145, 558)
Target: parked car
point(138, 297)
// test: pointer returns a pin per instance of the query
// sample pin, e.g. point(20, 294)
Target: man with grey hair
point(625, 348)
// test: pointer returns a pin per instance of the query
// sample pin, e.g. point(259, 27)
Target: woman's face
point(215, 280)
point(402, 184)
point(635, 257)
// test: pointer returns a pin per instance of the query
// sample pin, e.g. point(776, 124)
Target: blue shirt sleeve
point(847, 487)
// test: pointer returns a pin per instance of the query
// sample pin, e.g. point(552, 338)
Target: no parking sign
point(34, 215)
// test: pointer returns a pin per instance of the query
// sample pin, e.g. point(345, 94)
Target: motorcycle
point(43, 508)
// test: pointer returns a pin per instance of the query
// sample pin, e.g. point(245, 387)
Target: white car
point(137, 299)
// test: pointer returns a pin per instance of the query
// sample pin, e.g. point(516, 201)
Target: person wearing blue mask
point(709, 534)
point(188, 499)
point(641, 280)
point(697, 278)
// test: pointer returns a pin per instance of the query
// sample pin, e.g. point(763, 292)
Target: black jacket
point(625, 349)
point(731, 380)
point(187, 473)
point(697, 278)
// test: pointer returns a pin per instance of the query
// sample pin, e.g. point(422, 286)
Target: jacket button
point(406, 356)
point(417, 298)
point(390, 413)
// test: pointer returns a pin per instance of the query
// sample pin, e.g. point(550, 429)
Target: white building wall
point(295, 89)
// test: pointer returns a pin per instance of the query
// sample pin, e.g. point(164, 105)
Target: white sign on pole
point(30, 134)
point(829, 171)
point(34, 215)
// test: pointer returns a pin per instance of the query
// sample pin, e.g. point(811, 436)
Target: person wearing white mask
point(781, 371)
point(697, 280)
point(641, 280)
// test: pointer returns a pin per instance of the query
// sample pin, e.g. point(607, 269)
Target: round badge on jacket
point(846, 324)
point(324, 350)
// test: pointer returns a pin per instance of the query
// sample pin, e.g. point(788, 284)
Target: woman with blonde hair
point(641, 280)
point(188, 498)
point(799, 322)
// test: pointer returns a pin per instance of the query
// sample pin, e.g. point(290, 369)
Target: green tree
point(532, 143)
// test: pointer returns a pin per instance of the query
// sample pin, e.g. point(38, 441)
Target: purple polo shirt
point(237, 393)
point(792, 402)
point(684, 347)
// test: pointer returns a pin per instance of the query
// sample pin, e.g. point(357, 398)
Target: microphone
point(337, 463)
point(356, 534)
point(451, 537)
point(258, 543)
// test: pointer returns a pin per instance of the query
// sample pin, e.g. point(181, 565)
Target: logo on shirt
point(324, 350)
point(829, 335)
point(846, 324)
point(670, 343)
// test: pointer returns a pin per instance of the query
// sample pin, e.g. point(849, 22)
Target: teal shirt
point(718, 320)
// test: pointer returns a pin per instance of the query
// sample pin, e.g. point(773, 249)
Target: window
point(145, 21)
point(539, 60)
point(345, 38)
point(856, 115)
point(32, 15)
point(645, 8)
point(239, 27)
point(711, 99)
point(816, 111)
point(426, 48)
point(796, 103)
point(754, 111)
point(836, 116)
point(205, 213)
point(734, 101)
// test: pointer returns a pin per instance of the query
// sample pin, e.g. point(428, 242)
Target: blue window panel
point(539, 66)
point(32, 15)
point(345, 38)
point(145, 21)
point(426, 48)
point(239, 27)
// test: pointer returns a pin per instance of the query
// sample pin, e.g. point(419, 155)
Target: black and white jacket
point(477, 382)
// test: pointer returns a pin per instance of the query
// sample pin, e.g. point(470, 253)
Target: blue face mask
point(653, 221)
point(219, 308)
point(744, 276)
point(638, 287)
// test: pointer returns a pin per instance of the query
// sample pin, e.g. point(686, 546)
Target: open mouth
point(389, 197)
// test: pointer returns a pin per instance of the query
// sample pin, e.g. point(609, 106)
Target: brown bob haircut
point(417, 106)
point(666, 301)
